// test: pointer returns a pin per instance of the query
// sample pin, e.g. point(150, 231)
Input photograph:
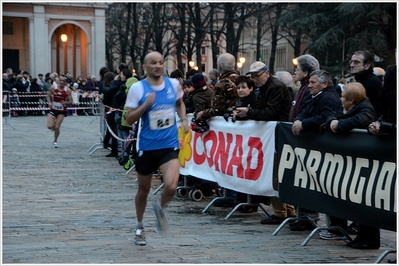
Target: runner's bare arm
point(50, 96)
point(181, 111)
point(133, 115)
point(69, 99)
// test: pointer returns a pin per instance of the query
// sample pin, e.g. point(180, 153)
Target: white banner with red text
point(238, 156)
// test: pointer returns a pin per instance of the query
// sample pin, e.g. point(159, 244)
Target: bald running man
point(155, 100)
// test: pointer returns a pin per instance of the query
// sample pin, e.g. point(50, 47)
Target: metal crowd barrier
point(6, 108)
point(99, 145)
point(27, 102)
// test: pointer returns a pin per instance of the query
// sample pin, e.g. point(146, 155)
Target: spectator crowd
point(32, 91)
point(310, 98)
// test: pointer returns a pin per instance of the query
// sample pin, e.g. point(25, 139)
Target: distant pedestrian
point(14, 101)
point(214, 77)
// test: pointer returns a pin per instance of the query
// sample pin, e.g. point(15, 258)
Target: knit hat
point(198, 81)
point(257, 67)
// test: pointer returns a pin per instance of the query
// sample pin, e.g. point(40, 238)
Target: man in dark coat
point(274, 100)
point(325, 101)
point(109, 103)
point(273, 104)
point(361, 64)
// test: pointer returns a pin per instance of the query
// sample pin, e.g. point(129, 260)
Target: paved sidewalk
point(64, 206)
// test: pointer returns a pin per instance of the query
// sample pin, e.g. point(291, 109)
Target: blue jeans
point(123, 134)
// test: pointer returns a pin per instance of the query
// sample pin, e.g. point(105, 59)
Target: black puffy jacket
point(359, 116)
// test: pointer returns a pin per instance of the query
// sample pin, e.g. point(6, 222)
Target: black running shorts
point(148, 162)
point(56, 113)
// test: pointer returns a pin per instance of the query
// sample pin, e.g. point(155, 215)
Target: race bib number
point(58, 106)
point(161, 119)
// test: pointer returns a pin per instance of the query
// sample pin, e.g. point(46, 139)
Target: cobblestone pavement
point(66, 206)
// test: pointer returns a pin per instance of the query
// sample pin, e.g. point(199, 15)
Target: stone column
point(38, 34)
point(92, 49)
point(98, 42)
point(32, 44)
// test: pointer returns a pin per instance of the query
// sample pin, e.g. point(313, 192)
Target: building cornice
point(101, 5)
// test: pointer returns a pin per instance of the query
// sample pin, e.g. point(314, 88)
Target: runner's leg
point(51, 122)
point(170, 174)
point(144, 182)
point(57, 126)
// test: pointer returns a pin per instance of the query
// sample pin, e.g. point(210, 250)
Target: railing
point(37, 102)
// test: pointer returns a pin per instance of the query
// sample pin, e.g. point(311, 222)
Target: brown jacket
point(225, 95)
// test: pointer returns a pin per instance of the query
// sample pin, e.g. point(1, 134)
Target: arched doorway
point(69, 54)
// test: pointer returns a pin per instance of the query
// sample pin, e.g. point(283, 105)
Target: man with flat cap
point(274, 104)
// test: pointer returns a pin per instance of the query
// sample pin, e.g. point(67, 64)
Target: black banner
point(350, 176)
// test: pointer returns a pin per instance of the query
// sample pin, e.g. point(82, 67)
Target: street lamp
point(239, 64)
point(191, 64)
point(196, 68)
point(242, 60)
point(295, 61)
point(64, 37)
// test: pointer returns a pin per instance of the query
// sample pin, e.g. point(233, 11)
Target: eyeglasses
point(257, 76)
point(356, 62)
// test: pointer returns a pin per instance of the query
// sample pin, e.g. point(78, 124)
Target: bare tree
point(236, 16)
point(275, 12)
point(112, 45)
point(335, 30)
point(134, 31)
point(330, 31)
point(199, 25)
point(290, 29)
point(263, 27)
point(179, 33)
point(217, 25)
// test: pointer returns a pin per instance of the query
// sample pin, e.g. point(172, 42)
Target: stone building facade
point(32, 37)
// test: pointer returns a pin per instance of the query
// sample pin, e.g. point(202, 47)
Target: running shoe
point(161, 223)
point(55, 144)
point(139, 239)
point(128, 164)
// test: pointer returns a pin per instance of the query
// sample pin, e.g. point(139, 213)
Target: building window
point(8, 27)
point(281, 59)
point(265, 54)
point(203, 67)
point(203, 50)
